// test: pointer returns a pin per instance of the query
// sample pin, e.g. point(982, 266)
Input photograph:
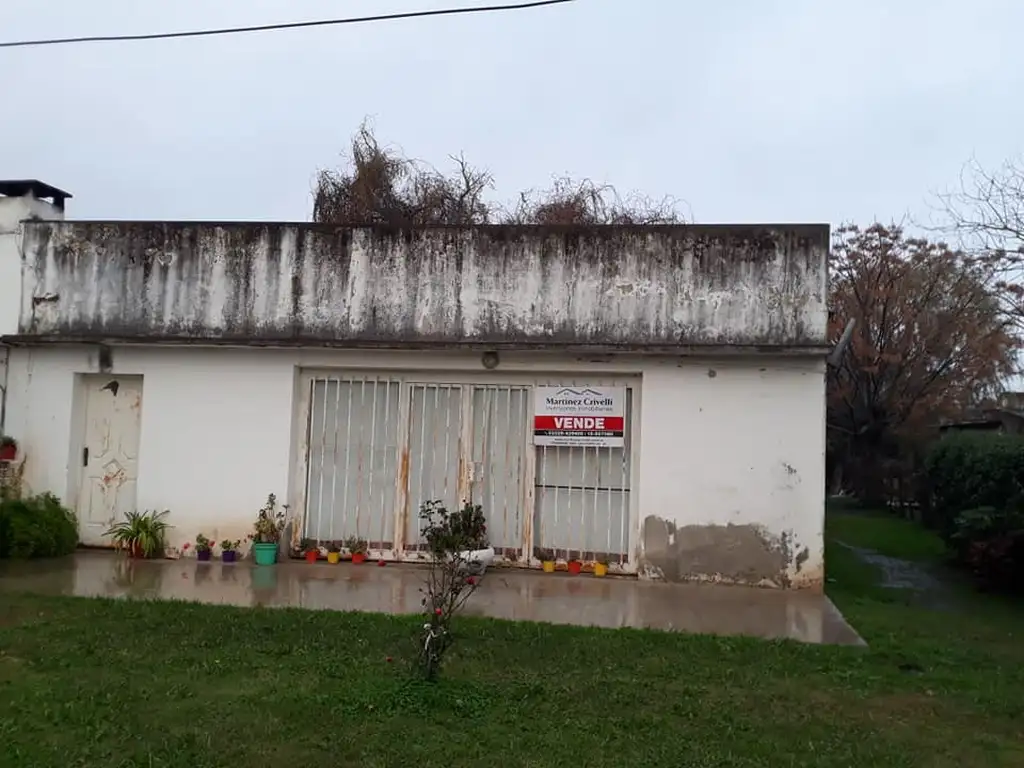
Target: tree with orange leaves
point(929, 341)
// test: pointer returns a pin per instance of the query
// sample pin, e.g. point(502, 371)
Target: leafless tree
point(571, 201)
point(380, 185)
point(986, 213)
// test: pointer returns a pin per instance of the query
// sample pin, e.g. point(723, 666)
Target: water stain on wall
point(731, 554)
point(620, 287)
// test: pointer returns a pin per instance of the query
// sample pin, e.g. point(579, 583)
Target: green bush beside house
point(976, 503)
point(36, 526)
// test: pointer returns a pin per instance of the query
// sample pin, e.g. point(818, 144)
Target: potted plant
point(310, 550)
point(140, 534)
point(358, 548)
point(8, 448)
point(574, 566)
point(333, 553)
point(229, 550)
point(204, 548)
point(601, 567)
point(267, 529)
point(547, 560)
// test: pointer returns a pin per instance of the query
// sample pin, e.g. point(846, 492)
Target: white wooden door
point(110, 453)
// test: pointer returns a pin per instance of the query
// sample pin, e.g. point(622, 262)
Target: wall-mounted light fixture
point(490, 360)
point(106, 359)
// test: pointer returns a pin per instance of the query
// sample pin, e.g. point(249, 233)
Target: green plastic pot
point(264, 554)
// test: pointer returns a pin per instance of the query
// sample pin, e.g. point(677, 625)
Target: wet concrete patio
point(503, 593)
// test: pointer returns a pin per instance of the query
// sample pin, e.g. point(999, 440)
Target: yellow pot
point(549, 566)
point(333, 557)
point(600, 569)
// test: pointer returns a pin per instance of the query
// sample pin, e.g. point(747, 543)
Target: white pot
point(477, 559)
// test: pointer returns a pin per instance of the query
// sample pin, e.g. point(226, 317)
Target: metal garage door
point(377, 446)
point(583, 501)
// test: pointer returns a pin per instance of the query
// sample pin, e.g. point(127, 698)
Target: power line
point(289, 25)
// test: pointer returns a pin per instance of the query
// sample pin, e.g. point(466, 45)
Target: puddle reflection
point(507, 594)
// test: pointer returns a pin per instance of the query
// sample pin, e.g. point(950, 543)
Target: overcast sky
point(748, 110)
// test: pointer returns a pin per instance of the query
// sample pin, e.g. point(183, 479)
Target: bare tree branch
point(986, 215)
point(381, 185)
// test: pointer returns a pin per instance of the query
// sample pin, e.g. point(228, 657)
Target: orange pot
point(574, 567)
point(358, 557)
point(312, 555)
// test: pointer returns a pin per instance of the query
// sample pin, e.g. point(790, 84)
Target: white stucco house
point(650, 396)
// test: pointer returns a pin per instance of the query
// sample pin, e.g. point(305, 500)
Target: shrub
point(990, 542)
point(452, 577)
point(38, 526)
point(972, 471)
point(976, 501)
point(447, 532)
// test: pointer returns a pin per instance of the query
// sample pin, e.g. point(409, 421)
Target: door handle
point(85, 456)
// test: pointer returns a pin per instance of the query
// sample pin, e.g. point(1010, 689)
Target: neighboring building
point(1006, 417)
point(355, 373)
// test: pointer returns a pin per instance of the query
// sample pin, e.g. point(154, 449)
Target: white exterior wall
point(728, 469)
point(13, 211)
point(733, 457)
point(215, 433)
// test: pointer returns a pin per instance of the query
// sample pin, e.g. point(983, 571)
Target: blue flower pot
point(264, 554)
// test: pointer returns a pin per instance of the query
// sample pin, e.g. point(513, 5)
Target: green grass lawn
point(887, 535)
point(106, 683)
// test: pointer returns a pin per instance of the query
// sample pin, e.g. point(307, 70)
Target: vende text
point(579, 422)
point(595, 423)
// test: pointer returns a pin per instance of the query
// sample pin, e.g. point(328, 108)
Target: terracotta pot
point(574, 567)
point(312, 555)
point(358, 557)
point(137, 552)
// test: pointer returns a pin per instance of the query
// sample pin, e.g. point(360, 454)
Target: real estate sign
point(592, 417)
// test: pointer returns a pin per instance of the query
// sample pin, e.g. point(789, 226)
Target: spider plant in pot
point(141, 534)
point(204, 548)
point(358, 548)
point(310, 550)
point(333, 553)
point(229, 550)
